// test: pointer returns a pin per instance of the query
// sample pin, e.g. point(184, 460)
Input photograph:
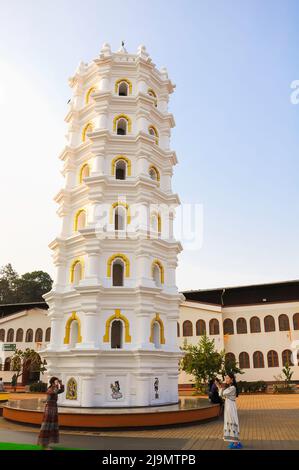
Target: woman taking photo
point(49, 431)
point(229, 392)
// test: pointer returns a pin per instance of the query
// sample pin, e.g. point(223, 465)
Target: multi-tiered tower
point(115, 305)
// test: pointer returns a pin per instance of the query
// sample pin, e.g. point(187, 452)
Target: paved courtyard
point(266, 422)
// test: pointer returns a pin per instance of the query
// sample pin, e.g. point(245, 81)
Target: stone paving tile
point(266, 422)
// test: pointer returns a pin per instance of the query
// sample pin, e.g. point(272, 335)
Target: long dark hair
point(232, 376)
point(52, 380)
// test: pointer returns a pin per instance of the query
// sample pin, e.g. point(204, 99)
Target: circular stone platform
point(4, 396)
point(188, 410)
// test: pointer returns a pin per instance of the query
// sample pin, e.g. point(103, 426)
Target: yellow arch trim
point(73, 317)
point(81, 172)
point(158, 320)
point(122, 116)
point(123, 204)
point(123, 258)
point(72, 270)
point(77, 215)
point(87, 128)
point(87, 96)
point(156, 214)
point(117, 316)
point(121, 157)
point(152, 167)
point(158, 263)
point(150, 90)
point(155, 132)
point(118, 82)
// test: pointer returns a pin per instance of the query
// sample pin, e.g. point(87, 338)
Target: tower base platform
point(187, 410)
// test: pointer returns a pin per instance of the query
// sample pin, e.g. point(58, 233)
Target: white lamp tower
point(114, 306)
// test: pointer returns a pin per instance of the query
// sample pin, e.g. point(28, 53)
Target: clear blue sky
point(236, 135)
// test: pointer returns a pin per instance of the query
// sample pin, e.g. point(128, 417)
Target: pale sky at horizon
point(236, 133)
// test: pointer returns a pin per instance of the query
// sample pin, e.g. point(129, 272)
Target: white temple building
point(114, 306)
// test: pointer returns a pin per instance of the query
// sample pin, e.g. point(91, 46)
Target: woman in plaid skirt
point(49, 431)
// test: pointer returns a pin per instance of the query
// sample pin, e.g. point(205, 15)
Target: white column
point(87, 391)
point(143, 389)
point(98, 164)
point(142, 123)
point(90, 330)
point(104, 84)
point(142, 165)
point(143, 330)
point(142, 86)
point(57, 332)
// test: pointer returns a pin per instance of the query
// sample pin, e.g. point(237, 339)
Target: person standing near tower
point(228, 390)
point(49, 431)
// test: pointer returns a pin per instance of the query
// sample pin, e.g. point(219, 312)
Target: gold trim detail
point(161, 267)
point(115, 160)
point(122, 116)
point(73, 317)
point(117, 316)
point(157, 319)
point(123, 258)
point(118, 82)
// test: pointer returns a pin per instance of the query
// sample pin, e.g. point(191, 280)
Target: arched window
point(228, 326)
point(258, 360)
point(121, 167)
point(200, 328)
point(120, 170)
point(244, 361)
point(76, 272)
point(287, 357)
point(156, 222)
point(29, 336)
point(84, 172)
point(117, 316)
point(296, 321)
point(121, 127)
point(19, 336)
point(80, 220)
point(2, 334)
point(118, 256)
point(74, 333)
point(119, 218)
point(255, 325)
point(284, 323)
point(269, 323)
point(151, 92)
point(187, 328)
point(230, 358)
point(158, 273)
point(178, 329)
point(154, 173)
point(123, 87)
point(241, 326)
point(117, 334)
point(153, 131)
point(272, 358)
point(48, 334)
point(86, 129)
point(39, 335)
point(7, 364)
point(118, 272)
point(156, 334)
point(122, 124)
point(89, 92)
point(10, 335)
point(73, 330)
point(214, 327)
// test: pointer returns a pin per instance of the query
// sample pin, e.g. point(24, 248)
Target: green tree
point(202, 361)
point(8, 281)
point(29, 287)
point(24, 359)
point(287, 372)
point(229, 365)
point(32, 286)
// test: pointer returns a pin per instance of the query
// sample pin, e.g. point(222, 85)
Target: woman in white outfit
point(229, 392)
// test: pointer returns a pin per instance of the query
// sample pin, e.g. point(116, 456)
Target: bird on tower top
point(122, 48)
